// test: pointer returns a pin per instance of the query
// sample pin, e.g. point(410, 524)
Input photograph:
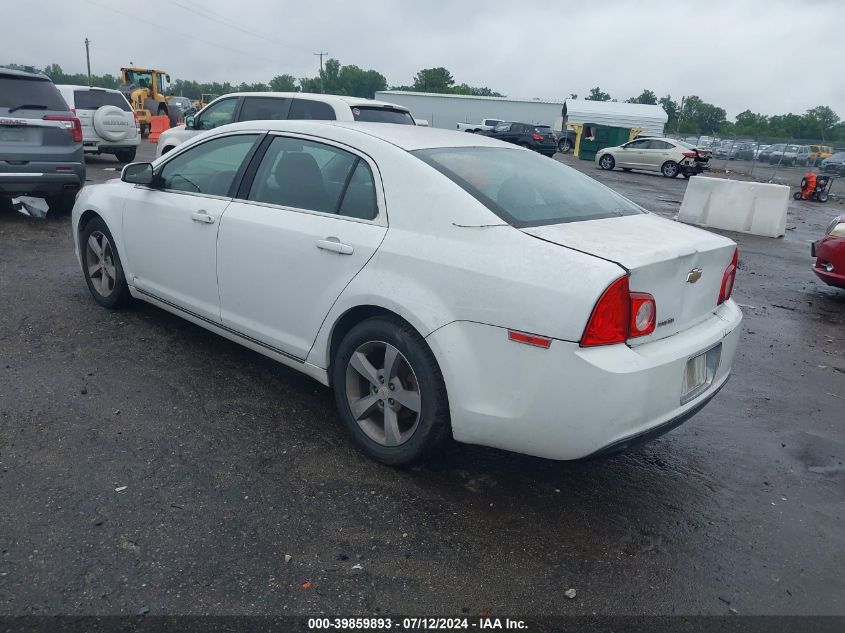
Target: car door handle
point(335, 246)
point(202, 216)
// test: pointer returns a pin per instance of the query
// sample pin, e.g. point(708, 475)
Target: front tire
point(607, 162)
point(670, 169)
point(389, 391)
point(564, 146)
point(61, 204)
point(101, 265)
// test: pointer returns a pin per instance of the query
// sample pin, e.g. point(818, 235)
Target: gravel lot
point(148, 464)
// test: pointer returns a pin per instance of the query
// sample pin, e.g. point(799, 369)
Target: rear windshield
point(526, 189)
point(382, 115)
point(93, 99)
point(38, 94)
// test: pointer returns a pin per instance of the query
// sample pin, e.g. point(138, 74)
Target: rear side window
point(264, 108)
point(93, 99)
point(209, 168)
point(36, 94)
point(376, 114)
point(313, 110)
point(526, 189)
point(314, 176)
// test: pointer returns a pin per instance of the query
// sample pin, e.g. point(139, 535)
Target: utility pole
point(320, 55)
point(88, 60)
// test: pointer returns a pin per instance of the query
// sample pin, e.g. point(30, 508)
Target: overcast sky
point(771, 56)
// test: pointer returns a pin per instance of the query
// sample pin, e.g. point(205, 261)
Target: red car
point(830, 254)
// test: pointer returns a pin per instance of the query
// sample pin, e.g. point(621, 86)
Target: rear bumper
point(568, 402)
point(94, 145)
point(40, 179)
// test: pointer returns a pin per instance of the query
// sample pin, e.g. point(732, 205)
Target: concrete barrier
point(735, 205)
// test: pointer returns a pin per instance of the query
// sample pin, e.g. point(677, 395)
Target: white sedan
point(442, 283)
point(668, 156)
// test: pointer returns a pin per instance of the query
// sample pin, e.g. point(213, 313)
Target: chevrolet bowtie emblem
point(694, 275)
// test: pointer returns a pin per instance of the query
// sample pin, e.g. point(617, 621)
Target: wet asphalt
point(148, 465)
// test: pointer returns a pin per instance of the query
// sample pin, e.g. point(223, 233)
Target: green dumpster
point(596, 137)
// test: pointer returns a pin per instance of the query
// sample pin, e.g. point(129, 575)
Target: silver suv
point(40, 142)
point(108, 123)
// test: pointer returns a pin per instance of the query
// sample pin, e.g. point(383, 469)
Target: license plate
point(699, 373)
point(12, 135)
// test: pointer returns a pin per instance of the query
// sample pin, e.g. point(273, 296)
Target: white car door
point(311, 218)
point(170, 228)
point(657, 152)
point(632, 155)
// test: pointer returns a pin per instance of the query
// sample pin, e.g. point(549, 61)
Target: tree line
point(693, 115)
point(690, 115)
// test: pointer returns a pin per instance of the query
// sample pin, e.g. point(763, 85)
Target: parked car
point(108, 123)
point(185, 106)
point(539, 138)
point(760, 151)
point(764, 155)
point(485, 125)
point(415, 319)
point(829, 252)
point(40, 142)
point(254, 106)
point(818, 153)
point(665, 155)
point(835, 164)
point(789, 155)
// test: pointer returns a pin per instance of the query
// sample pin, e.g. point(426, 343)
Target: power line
point(181, 33)
point(227, 22)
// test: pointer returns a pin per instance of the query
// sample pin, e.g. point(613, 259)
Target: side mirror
point(189, 122)
point(421, 122)
point(138, 174)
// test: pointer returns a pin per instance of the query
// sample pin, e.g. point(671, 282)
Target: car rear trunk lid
point(680, 265)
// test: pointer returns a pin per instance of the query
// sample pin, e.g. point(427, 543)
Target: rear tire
point(101, 265)
point(364, 378)
point(61, 204)
point(125, 155)
point(823, 197)
point(607, 162)
point(670, 169)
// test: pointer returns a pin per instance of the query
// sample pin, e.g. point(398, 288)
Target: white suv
point(256, 106)
point(108, 123)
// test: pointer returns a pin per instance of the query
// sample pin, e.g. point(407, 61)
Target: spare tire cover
point(112, 123)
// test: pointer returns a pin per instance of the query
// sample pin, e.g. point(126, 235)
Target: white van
point(108, 123)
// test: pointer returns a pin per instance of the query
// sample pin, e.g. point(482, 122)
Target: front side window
point(314, 176)
point(641, 144)
point(525, 189)
point(217, 114)
point(311, 110)
point(264, 108)
point(209, 168)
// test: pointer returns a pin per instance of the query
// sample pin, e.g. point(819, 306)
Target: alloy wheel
point(99, 263)
point(383, 393)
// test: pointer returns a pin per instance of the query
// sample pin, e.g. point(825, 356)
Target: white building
point(446, 110)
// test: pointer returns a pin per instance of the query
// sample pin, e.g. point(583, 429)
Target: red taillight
point(529, 339)
point(619, 315)
point(609, 321)
point(71, 122)
point(690, 154)
point(728, 279)
point(537, 137)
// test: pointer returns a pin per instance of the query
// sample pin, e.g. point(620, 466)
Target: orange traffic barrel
point(158, 124)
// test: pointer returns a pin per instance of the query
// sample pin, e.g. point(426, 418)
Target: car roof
point(14, 72)
point(407, 137)
point(79, 87)
point(313, 96)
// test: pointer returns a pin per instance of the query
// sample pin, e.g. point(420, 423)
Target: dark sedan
point(834, 164)
point(540, 138)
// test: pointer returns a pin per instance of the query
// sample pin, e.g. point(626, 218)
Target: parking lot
point(149, 466)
